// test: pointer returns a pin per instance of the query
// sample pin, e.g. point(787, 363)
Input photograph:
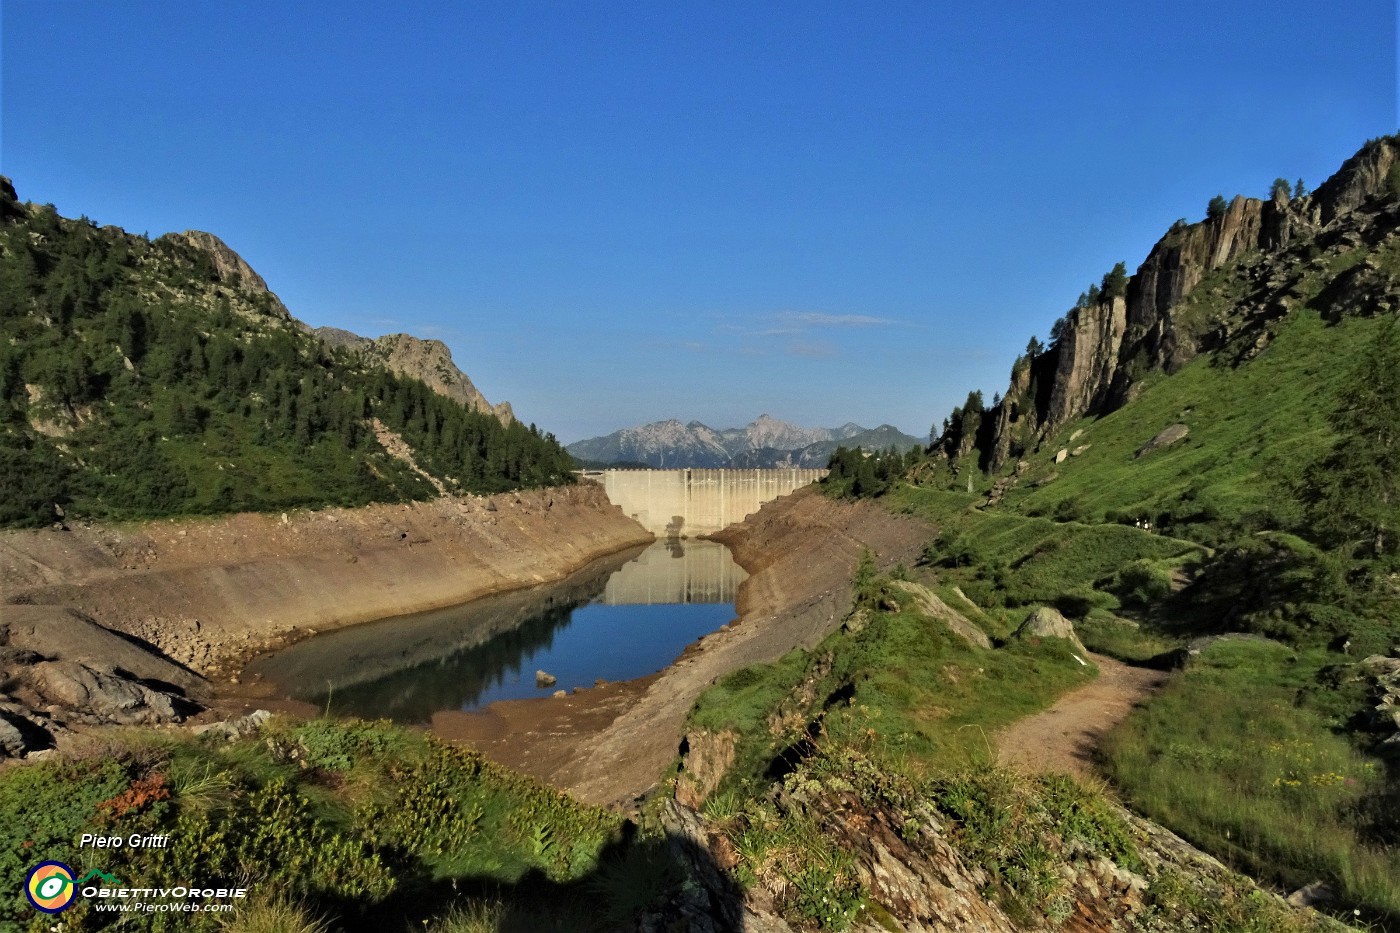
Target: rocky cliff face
point(402, 354)
point(1266, 247)
point(233, 271)
point(427, 360)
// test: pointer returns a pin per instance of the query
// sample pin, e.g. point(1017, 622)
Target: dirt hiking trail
point(1063, 737)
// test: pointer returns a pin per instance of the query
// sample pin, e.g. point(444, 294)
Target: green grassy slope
point(1254, 429)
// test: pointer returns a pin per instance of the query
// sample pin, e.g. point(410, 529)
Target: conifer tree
point(1115, 282)
point(1353, 492)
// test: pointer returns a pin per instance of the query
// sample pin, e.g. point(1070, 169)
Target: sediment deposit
point(205, 591)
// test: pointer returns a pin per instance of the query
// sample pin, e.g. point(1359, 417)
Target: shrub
point(1069, 510)
point(1143, 583)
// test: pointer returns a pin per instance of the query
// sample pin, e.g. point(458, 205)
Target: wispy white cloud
point(796, 324)
point(821, 319)
point(811, 349)
point(690, 346)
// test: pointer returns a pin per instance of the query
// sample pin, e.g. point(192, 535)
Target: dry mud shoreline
point(106, 623)
point(205, 591)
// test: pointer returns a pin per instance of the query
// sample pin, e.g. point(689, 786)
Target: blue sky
point(620, 212)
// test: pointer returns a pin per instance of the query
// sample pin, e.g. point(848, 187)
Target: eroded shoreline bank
point(206, 591)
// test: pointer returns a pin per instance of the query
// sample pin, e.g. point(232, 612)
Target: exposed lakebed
point(621, 617)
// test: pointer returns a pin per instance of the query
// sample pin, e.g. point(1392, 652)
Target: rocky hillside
point(917, 872)
point(426, 360)
point(764, 442)
point(143, 378)
point(1218, 286)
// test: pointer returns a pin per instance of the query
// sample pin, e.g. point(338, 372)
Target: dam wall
point(673, 503)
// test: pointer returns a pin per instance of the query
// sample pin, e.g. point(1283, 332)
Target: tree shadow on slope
point(667, 882)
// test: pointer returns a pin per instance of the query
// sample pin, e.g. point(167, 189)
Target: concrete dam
point(673, 503)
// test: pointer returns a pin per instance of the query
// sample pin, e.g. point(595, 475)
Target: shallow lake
point(623, 616)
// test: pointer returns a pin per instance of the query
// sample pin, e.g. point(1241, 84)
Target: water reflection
point(676, 572)
point(621, 617)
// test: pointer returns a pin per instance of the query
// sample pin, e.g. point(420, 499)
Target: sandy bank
point(206, 591)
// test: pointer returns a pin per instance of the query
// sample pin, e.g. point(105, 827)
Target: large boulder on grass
point(1046, 622)
point(1168, 436)
point(928, 603)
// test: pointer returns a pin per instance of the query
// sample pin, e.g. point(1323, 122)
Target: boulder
point(232, 729)
point(544, 679)
point(707, 757)
point(1168, 436)
point(930, 605)
point(1061, 455)
point(12, 744)
point(19, 736)
point(103, 694)
point(1381, 667)
point(1316, 894)
point(1046, 622)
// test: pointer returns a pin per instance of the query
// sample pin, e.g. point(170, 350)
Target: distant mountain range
point(765, 442)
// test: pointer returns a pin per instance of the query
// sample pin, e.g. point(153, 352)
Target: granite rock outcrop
point(1181, 303)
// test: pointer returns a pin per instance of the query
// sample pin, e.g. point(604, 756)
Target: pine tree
point(1216, 207)
point(1353, 492)
point(1115, 282)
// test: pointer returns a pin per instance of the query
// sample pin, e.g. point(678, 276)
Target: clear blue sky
point(620, 212)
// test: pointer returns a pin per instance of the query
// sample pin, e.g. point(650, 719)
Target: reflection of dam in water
point(615, 619)
point(676, 572)
point(671, 503)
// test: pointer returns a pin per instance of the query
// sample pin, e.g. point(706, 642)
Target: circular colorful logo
point(50, 887)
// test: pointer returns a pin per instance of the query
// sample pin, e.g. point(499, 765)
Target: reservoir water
point(623, 616)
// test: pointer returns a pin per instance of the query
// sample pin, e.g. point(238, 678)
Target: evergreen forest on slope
point(138, 379)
